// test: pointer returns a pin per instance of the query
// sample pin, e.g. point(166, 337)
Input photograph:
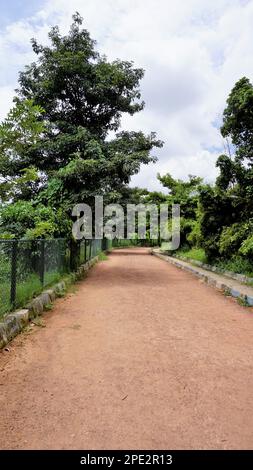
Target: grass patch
point(26, 290)
point(52, 277)
point(39, 322)
point(236, 265)
point(196, 254)
point(227, 293)
point(243, 302)
point(48, 307)
point(102, 256)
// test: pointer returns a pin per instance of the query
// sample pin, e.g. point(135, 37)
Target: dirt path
point(142, 356)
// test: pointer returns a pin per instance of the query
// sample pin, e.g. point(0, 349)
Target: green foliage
point(42, 229)
point(19, 132)
point(77, 86)
point(227, 209)
point(26, 219)
point(218, 219)
point(55, 151)
point(194, 236)
point(215, 212)
point(6, 236)
point(84, 96)
point(237, 264)
point(238, 118)
point(22, 127)
point(185, 193)
point(102, 256)
point(54, 145)
point(197, 254)
point(243, 301)
point(233, 239)
point(25, 291)
point(48, 307)
point(246, 247)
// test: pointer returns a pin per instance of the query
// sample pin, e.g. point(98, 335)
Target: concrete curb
point(220, 284)
point(13, 323)
point(215, 269)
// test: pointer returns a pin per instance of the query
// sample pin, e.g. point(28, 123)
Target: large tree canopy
point(238, 118)
point(78, 98)
point(19, 132)
point(227, 209)
point(78, 87)
point(83, 97)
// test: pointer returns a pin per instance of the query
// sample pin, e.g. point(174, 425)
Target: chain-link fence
point(27, 266)
point(117, 243)
point(90, 248)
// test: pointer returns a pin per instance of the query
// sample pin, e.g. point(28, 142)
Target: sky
point(193, 52)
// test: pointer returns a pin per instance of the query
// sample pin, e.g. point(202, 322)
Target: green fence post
point(14, 254)
point(74, 254)
point(42, 261)
point(90, 248)
point(104, 244)
point(71, 255)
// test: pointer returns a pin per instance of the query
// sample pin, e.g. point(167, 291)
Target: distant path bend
point(142, 356)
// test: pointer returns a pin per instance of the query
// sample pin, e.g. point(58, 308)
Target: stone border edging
point(13, 323)
point(216, 269)
point(220, 285)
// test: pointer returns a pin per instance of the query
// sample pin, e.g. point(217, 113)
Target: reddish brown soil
point(142, 356)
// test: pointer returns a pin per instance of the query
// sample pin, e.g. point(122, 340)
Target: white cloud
point(6, 96)
point(192, 51)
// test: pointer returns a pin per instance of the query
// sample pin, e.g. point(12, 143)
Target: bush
point(237, 264)
point(194, 237)
point(231, 238)
point(246, 247)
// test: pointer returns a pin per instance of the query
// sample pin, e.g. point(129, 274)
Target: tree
point(77, 86)
point(238, 119)
point(227, 209)
point(20, 131)
point(84, 96)
point(81, 97)
point(185, 193)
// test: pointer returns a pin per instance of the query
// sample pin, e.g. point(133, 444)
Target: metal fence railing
point(90, 248)
point(117, 243)
point(27, 266)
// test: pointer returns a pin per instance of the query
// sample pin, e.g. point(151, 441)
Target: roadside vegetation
point(196, 254)
point(54, 146)
point(217, 219)
point(61, 144)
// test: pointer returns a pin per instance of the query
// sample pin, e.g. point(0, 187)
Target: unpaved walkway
point(142, 356)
